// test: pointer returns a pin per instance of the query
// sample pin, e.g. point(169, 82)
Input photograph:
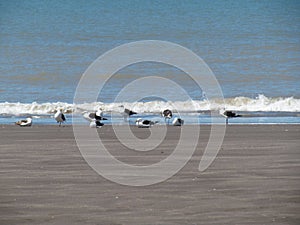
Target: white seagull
point(24, 123)
point(59, 117)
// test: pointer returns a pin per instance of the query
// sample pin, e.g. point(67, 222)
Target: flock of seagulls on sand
point(96, 118)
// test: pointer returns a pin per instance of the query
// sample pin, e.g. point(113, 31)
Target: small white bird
point(96, 124)
point(59, 117)
point(144, 123)
point(25, 123)
point(177, 122)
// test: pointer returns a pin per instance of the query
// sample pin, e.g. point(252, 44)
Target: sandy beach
point(255, 179)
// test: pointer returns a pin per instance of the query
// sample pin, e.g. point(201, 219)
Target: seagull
point(99, 114)
point(228, 114)
point(177, 121)
point(128, 112)
point(59, 117)
point(167, 114)
point(144, 123)
point(96, 124)
point(91, 116)
point(24, 123)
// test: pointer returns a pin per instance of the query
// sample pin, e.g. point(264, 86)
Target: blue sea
point(252, 47)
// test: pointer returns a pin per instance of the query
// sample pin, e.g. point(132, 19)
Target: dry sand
point(255, 179)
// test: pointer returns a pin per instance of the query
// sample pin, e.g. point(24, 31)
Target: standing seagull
point(99, 114)
point(24, 123)
point(228, 114)
point(59, 117)
point(167, 114)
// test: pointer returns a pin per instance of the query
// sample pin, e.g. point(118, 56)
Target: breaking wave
point(261, 103)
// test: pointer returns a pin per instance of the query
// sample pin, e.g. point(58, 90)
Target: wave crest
point(261, 103)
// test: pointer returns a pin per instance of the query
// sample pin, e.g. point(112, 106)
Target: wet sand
point(255, 179)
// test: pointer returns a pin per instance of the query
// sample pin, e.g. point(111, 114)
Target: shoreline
point(156, 125)
point(254, 179)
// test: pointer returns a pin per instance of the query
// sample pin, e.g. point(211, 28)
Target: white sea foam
point(261, 103)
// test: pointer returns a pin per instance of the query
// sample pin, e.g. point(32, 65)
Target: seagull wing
point(63, 117)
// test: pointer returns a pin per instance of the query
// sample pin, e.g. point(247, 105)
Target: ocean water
point(253, 48)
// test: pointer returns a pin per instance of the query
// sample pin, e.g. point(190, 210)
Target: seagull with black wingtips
point(25, 122)
point(144, 123)
point(59, 117)
point(91, 116)
point(126, 112)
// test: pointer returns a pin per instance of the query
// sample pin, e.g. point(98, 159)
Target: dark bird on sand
point(228, 114)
